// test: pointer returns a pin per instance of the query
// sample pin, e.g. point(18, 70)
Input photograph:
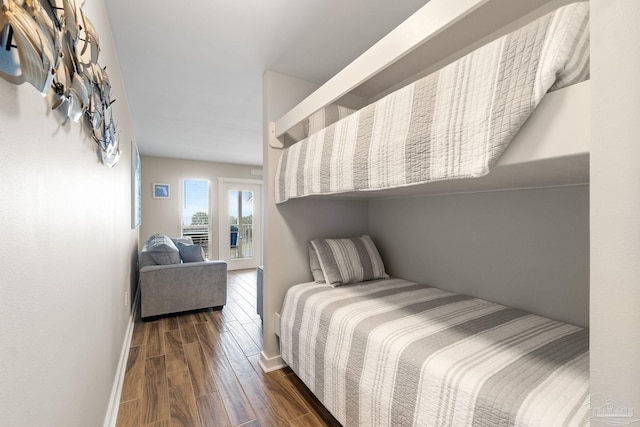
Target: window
point(195, 212)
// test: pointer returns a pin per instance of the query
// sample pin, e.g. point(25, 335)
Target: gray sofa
point(175, 277)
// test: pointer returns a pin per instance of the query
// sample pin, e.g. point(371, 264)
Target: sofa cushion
point(162, 250)
point(190, 253)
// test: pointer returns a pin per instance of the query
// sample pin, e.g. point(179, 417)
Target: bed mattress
point(452, 124)
point(397, 353)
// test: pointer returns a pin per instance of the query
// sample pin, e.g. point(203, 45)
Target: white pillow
point(314, 263)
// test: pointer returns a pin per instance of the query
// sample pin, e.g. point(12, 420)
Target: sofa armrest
point(181, 287)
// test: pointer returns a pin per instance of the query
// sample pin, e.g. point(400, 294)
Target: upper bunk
point(550, 149)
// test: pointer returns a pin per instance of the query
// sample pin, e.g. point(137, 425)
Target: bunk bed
point(386, 351)
point(482, 113)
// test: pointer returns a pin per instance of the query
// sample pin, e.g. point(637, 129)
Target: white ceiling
point(193, 70)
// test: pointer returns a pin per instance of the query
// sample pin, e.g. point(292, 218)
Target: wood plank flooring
point(200, 369)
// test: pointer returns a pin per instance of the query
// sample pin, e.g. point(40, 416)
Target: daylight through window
point(195, 212)
point(241, 220)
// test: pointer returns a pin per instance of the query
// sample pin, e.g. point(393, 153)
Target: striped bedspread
point(452, 124)
point(396, 353)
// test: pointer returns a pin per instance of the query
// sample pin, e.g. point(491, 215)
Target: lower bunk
point(392, 352)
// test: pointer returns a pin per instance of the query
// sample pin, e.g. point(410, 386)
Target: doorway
point(240, 241)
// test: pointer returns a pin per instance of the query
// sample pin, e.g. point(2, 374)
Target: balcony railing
point(240, 239)
point(199, 234)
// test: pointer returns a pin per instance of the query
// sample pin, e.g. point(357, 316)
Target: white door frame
point(224, 250)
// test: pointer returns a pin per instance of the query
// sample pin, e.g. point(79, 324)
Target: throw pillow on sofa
point(187, 240)
point(190, 253)
point(162, 250)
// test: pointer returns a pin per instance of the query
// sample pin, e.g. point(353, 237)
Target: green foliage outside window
point(200, 218)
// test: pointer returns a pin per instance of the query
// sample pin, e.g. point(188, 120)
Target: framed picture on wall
point(136, 187)
point(160, 191)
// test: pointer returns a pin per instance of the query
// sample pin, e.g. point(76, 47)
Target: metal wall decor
point(54, 47)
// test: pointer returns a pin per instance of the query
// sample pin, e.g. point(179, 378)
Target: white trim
point(114, 402)
point(269, 364)
point(222, 179)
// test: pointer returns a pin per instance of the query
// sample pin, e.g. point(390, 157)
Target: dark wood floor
point(201, 369)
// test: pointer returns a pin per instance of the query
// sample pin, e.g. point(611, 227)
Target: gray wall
point(68, 256)
point(527, 249)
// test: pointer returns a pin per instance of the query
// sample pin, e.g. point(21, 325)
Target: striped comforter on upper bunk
point(396, 353)
point(454, 123)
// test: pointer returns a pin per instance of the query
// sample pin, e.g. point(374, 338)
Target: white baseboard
point(269, 364)
point(114, 402)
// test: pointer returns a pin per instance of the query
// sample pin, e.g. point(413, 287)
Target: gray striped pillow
point(345, 261)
